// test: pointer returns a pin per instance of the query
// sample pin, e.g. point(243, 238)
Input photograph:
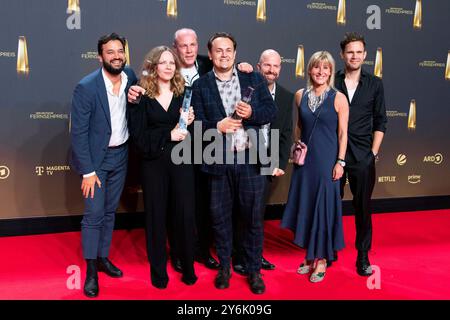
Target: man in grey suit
point(99, 138)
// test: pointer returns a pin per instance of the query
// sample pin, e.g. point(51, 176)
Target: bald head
point(270, 66)
point(186, 45)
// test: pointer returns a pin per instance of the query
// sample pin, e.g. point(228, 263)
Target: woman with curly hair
point(168, 188)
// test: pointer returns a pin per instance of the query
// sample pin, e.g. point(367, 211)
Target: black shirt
point(367, 113)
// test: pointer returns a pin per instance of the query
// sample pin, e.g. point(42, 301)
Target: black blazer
point(284, 100)
point(209, 109)
point(204, 65)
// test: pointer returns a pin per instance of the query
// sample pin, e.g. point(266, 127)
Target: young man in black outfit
point(366, 128)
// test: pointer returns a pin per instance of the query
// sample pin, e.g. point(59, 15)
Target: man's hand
point(277, 172)
point(228, 125)
point(244, 110)
point(245, 67)
point(134, 93)
point(88, 185)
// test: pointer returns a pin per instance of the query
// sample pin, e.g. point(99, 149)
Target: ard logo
point(4, 172)
point(73, 21)
point(436, 159)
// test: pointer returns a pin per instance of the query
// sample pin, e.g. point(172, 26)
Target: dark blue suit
point(235, 184)
point(90, 135)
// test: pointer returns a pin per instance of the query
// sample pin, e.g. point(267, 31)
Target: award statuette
point(127, 53)
point(73, 6)
point(261, 11)
point(300, 65)
point(246, 98)
point(447, 67)
point(378, 70)
point(22, 57)
point(412, 115)
point(340, 18)
point(183, 122)
point(417, 22)
point(172, 11)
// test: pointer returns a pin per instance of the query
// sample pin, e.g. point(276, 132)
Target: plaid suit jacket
point(209, 109)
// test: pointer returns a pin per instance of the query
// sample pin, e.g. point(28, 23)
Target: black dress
point(168, 189)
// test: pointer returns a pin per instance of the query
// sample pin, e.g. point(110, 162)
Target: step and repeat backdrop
point(47, 46)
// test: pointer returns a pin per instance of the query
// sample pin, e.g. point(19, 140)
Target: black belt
point(119, 146)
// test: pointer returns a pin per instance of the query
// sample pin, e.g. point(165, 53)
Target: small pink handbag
point(298, 152)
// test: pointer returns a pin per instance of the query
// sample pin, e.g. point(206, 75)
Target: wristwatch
point(341, 162)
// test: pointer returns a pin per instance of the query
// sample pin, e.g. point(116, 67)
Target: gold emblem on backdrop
point(127, 53)
point(417, 22)
point(378, 69)
point(172, 11)
point(261, 11)
point(401, 159)
point(412, 115)
point(447, 68)
point(4, 172)
point(300, 65)
point(340, 18)
point(22, 57)
point(73, 6)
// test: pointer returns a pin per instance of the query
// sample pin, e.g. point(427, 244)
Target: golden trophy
point(378, 70)
point(412, 115)
point(447, 68)
point(73, 6)
point(300, 65)
point(127, 53)
point(22, 57)
point(417, 23)
point(172, 11)
point(340, 18)
point(261, 11)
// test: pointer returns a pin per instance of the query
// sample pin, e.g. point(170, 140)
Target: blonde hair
point(316, 58)
point(149, 77)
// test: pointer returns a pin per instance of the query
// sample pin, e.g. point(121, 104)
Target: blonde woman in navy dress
point(314, 207)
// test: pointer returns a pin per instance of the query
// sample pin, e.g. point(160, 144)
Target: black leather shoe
point(208, 261)
point(256, 283)
point(189, 280)
point(106, 266)
point(91, 283)
point(222, 280)
point(176, 264)
point(363, 267)
point(266, 265)
point(239, 268)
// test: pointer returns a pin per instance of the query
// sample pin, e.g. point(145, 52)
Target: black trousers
point(169, 197)
point(242, 185)
point(361, 176)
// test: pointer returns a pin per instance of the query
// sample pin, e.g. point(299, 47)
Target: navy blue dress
point(314, 207)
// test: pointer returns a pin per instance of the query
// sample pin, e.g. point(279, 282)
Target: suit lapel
point(101, 92)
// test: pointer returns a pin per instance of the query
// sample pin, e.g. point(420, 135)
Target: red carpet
point(411, 250)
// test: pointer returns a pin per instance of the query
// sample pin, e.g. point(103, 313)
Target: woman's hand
point(176, 134)
point(338, 171)
point(191, 115)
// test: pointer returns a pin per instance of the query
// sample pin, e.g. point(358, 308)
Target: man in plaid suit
point(216, 96)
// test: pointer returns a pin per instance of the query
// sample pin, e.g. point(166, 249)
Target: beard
point(108, 67)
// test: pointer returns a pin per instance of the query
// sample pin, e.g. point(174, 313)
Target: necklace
point(315, 102)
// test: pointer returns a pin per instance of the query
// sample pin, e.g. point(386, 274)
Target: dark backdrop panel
point(35, 175)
